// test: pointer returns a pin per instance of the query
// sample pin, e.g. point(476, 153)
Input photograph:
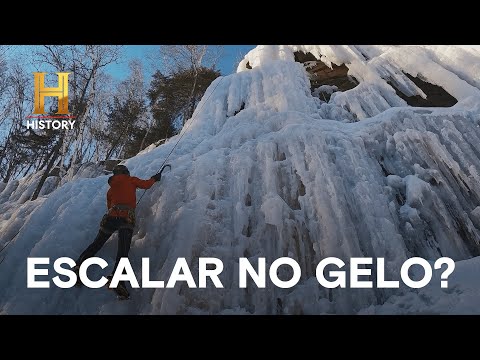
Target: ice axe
point(160, 172)
point(163, 168)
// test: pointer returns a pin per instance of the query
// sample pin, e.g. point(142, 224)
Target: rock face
point(337, 76)
point(436, 95)
point(110, 164)
point(320, 74)
point(55, 171)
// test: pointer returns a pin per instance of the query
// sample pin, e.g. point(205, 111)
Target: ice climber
point(121, 203)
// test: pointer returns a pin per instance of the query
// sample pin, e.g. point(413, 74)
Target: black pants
point(108, 227)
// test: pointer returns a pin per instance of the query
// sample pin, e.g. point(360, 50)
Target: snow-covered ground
point(264, 169)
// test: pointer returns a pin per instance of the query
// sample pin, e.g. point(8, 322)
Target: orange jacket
point(123, 191)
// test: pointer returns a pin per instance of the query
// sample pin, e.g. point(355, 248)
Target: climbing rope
point(160, 170)
point(181, 136)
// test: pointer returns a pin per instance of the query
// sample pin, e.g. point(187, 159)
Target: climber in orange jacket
point(121, 203)
point(121, 197)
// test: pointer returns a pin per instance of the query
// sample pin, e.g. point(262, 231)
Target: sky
point(227, 65)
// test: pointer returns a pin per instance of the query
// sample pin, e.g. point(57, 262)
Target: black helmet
point(120, 169)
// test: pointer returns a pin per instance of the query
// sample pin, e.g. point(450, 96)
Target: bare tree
point(128, 117)
point(239, 56)
point(86, 63)
point(4, 86)
point(137, 91)
point(14, 105)
point(176, 58)
point(183, 57)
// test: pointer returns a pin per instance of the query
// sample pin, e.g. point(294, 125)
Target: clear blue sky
point(227, 63)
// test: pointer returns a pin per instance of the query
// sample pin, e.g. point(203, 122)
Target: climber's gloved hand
point(157, 177)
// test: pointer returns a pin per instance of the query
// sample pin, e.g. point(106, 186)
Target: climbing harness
point(124, 211)
point(120, 207)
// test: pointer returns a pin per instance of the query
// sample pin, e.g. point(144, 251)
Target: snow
point(265, 169)
point(460, 298)
point(454, 68)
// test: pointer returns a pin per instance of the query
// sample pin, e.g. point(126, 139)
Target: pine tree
point(172, 101)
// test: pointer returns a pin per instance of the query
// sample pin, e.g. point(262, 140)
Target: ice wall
point(263, 169)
